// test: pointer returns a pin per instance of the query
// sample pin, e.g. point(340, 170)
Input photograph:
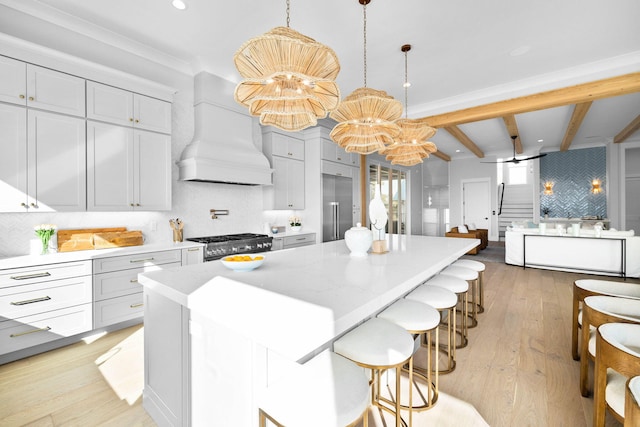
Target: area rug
point(494, 252)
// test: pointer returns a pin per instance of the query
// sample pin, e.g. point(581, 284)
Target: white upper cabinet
point(13, 81)
point(38, 87)
point(55, 91)
point(42, 168)
point(286, 146)
point(56, 162)
point(13, 161)
point(334, 153)
point(127, 169)
point(118, 106)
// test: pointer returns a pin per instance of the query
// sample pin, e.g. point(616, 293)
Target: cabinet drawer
point(124, 282)
point(27, 300)
point(116, 310)
point(43, 273)
point(125, 262)
point(38, 329)
point(303, 239)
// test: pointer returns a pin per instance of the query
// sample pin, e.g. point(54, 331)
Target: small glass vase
point(45, 246)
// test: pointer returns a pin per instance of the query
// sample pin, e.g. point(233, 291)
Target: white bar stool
point(460, 287)
point(445, 302)
point(479, 267)
point(470, 276)
point(378, 345)
point(328, 390)
point(590, 287)
point(420, 320)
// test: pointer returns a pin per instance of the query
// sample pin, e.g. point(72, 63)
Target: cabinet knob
point(21, 96)
point(137, 121)
point(130, 119)
point(131, 204)
point(291, 154)
point(33, 205)
point(31, 98)
point(138, 204)
point(339, 158)
point(24, 205)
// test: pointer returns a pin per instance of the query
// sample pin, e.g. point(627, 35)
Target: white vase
point(358, 240)
point(296, 228)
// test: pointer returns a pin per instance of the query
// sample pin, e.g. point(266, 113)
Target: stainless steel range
point(231, 244)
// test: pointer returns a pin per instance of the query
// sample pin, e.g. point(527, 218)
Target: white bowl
point(243, 265)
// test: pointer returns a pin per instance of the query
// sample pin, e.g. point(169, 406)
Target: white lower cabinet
point(295, 241)
point(116, 293)
point(43, 303)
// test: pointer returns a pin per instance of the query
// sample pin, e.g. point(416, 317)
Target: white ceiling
point(462, 55)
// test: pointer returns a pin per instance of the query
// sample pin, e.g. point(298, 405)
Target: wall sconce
point(595, 186)
point(548, 188)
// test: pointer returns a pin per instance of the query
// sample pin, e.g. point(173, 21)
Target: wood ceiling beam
point(579, 112)
point(614, 86)
point(443, 156)
point(628, 131)
point(512, 128)
point(464, 140)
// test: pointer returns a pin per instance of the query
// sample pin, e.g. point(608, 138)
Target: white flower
point(295, 221)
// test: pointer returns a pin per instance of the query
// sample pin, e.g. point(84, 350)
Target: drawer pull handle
point(33, 331)
point(193, 249)
point(301, 238)
point(141, 260)
point(31, 276)
point(31, 301)
point(140, 304)
point(133, 281)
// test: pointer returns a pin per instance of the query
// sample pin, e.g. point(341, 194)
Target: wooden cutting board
point(116, 239)
point(81, 239)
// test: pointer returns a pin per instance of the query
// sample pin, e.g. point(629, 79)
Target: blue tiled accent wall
point(572, 172)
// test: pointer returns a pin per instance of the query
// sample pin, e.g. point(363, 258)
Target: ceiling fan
point(514, 159)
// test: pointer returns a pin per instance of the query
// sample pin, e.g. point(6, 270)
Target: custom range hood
point(222, 149)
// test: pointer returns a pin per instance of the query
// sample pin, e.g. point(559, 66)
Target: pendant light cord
point(364, 12)
point(288, 10)
point(406, 87)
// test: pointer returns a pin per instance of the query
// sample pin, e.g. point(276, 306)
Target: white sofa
point(582, 253)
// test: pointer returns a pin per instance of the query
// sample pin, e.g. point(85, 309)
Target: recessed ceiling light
point(520, 50)
point(541, 140)
point(458, 151)
point(179, 4)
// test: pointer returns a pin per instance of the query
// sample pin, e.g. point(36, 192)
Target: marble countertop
point(57, 257)
point(313, 293)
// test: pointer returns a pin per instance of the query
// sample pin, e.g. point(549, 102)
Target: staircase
point(517, 205)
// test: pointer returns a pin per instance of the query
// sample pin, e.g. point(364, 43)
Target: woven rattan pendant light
point(411, 145)
point(366, 117)
point(289, 78)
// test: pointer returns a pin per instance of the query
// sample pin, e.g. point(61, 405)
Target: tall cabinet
point(286, 154)
point(128, 150)
point(42, 167)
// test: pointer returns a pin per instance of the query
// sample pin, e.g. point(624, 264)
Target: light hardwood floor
point(516, 371)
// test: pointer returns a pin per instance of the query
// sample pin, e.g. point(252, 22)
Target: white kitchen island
point(215, 338)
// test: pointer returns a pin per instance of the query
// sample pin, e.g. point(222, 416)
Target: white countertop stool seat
point(327, 391)
point(470, 276)
point(617, 360)
point(598, 310)
point(420, 320)
point(479, 267)
point(460, 287)
point(445, 302)
point(590, 287)
point(632, 402)
point(379, 345)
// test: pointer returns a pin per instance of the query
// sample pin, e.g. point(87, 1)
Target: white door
point(13, 161)
point(632, 200)
point(476, 201)
point(152, 171)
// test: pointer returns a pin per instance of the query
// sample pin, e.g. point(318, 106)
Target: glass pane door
point(393, 185)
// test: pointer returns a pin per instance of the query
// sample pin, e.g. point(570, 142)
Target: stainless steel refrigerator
point(337, 206)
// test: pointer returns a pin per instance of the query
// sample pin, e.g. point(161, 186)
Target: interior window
point(393, 184)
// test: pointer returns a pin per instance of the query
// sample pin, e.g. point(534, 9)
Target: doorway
point(476, 203)
point(393, 185)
